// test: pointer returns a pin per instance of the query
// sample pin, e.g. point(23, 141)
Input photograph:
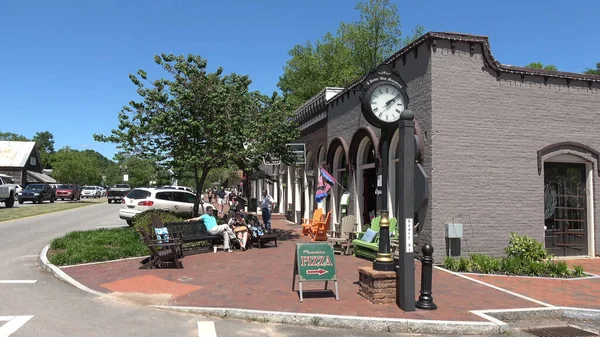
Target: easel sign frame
point(314, 262)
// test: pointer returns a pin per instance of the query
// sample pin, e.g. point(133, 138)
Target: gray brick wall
point(346, 117)
point(484, 138)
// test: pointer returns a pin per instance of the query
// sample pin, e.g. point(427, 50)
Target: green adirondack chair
point(369, 249)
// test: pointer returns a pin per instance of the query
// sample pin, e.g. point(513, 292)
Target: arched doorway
point(340, 174)
point(394, 166)
point(366, 181)
point(568, 205)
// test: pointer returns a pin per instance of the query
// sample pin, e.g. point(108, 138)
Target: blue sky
point(65, 63)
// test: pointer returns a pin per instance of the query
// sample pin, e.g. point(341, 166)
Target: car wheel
point(52, 199)
point(41, 200)
point(10, 202)
point(20, 202)
point(129, 222)
point(109, 201)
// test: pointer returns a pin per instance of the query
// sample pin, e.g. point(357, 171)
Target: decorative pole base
point(383, 266)
point(426, 303)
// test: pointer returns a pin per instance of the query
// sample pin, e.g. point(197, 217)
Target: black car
point(37, 193)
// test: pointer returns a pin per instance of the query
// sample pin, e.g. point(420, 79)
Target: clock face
point(387, 103)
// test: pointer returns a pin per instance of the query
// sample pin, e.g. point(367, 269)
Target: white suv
point(91, 192)
point(170, 199)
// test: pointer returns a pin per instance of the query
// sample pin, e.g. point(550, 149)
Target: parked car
point(117, 192)
point(68, 191)
point(143, 199)
point(37, 193)
point(8, 191)
point(91, 192)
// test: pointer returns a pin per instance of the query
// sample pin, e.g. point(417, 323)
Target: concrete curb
point(61, 275)
point(394, 325)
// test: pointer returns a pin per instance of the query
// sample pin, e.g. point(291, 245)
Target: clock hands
point(393, 100)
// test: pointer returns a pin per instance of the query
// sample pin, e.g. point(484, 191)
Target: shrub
point(485, 264)
point(451, 263)
point(558, 269)
point(536, 268)
point(512, 266)
point(578, 271)
point(144, 220)
point(525, 249)
point(465, 265)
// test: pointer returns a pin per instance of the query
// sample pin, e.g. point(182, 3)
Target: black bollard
point(425, 301)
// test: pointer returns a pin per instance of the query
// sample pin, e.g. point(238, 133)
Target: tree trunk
point(199, 180)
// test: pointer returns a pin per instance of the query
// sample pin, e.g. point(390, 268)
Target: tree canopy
point(45, 143)
point(194, 120)
point(594, 71)
point(76, 167)
point(336, 60)
point(539, 65)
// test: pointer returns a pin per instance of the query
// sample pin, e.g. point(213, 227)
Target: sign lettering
point(409, 236)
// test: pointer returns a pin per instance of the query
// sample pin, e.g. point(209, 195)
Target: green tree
point(45, 143)
point(76, 167)
point(9, 136)
point(594, 71)
point(340, 59)
point(539, 65)
point(140, 171)
point(196, 121)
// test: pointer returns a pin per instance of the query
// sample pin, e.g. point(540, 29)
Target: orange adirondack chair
point(320, 228)
point(307, 224)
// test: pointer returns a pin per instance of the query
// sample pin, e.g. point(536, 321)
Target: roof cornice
point(431, 38)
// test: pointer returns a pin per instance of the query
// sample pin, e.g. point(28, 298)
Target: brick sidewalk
point(261, 279)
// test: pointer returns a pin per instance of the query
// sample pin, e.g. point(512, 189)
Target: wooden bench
point(194, 236)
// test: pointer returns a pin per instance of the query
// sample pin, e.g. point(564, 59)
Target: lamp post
point(384, 260)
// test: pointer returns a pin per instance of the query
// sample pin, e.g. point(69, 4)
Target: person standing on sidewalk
point(266, 206)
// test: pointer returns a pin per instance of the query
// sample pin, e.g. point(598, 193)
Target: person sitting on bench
point(213, 229)
point(240, 227)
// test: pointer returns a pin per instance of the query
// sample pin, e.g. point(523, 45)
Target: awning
point(40, 177)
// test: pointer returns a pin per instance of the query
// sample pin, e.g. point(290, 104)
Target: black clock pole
point(405, 194)
point(384, 260)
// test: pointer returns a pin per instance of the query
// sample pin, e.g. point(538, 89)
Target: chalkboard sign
point(314, 262)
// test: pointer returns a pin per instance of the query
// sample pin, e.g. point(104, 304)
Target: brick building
point(507, 149)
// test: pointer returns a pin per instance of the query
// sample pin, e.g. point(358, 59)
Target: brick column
point(377, 287)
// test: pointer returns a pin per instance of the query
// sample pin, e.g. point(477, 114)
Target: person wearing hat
point(213, 229)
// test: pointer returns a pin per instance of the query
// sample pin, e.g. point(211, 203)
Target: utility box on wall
point(454, 233)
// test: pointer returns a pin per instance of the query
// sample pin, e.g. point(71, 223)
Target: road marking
point(17, 282)
point(205, 329)
point(13, 323)
point(495, 287)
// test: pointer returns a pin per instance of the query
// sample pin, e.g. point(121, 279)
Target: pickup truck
point(118, 192)
point(8, 191)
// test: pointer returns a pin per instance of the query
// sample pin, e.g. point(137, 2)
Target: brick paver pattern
point(261, 279)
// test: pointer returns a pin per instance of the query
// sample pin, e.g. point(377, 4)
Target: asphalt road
point(59, 309)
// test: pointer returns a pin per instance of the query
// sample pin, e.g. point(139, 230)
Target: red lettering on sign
point(305, 260)
point(327, 262)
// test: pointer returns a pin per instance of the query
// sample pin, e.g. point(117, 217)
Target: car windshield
point(35, 187)
point(121, 186)
point(89, 188)
point(64, 187)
